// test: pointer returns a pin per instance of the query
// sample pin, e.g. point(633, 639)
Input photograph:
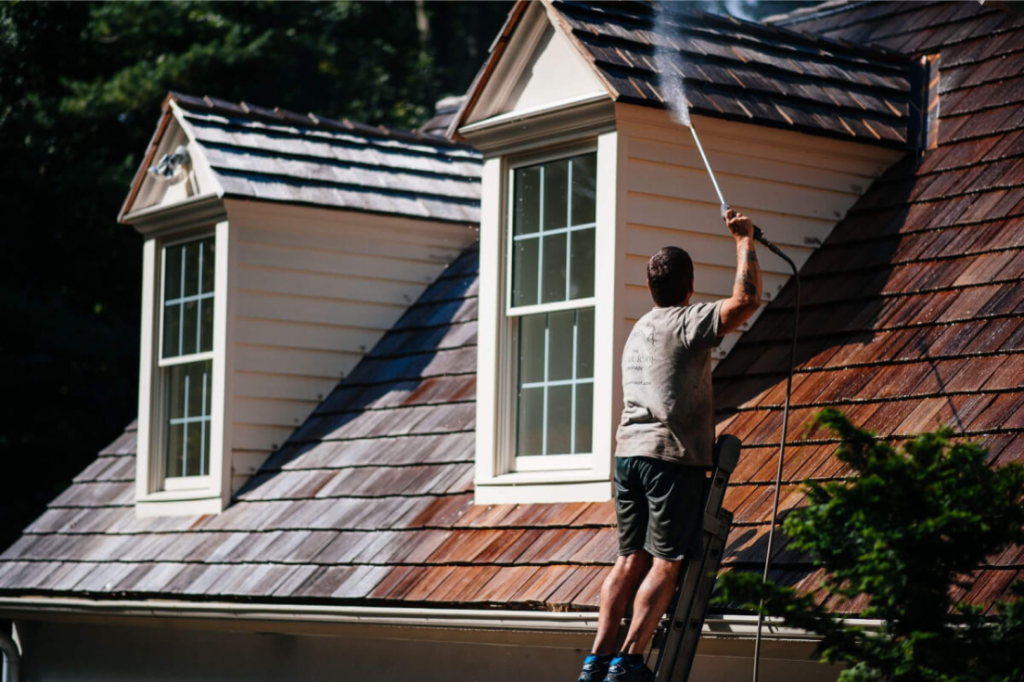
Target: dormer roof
point(733, 69)
point(256, 153)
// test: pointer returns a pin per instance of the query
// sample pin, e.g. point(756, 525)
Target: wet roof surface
point(747, 71)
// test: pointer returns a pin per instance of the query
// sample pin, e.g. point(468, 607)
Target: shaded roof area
point(277, 155)
point(370, 501)
point(913, 310)
point(748, 71)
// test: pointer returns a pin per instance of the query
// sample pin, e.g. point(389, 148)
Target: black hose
point(759, 236)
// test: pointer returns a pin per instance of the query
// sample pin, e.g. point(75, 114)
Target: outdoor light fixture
point(171, 168)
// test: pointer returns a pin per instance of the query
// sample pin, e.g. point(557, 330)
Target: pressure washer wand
point(759, 236)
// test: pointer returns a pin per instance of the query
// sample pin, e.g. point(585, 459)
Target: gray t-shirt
point(666, 385)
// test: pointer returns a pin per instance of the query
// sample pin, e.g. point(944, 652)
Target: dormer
point(586, 175)
point(278, 249)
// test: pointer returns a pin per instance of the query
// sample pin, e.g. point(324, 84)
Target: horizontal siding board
point(353, 265)
point(356, 240)
point(248, 384)
point(738, 162)
point(293, 361)
point(328, 286)
point(693, 184)
point(372, 316)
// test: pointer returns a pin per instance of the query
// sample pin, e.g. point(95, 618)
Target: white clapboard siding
point(283, 386)
point(314, 336)
point(314, 291)
point(796, 187)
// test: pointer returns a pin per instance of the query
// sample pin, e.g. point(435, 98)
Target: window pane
point(190, 328)
point(556, 195)
point(177, 389)
point(206, 325)
point(585, 344)
point(560, 328)
point(553, 284)
point(172, 328)
point(584, 188)
point(531, 422)
point(172, 273)
point(524, 272)
point(198, 377)
point(191, 257)
point(526, 213)
point(559, 420)
point(193, 449)
point(584, 418)
point(582, 264)
point(209, 261)
point(175, 435)
point(531, 349)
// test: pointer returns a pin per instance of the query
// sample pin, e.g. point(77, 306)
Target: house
point(445, 509)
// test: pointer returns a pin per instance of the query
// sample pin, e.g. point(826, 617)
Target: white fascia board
point(545, 126)
point(201, 210)
point(278, 616)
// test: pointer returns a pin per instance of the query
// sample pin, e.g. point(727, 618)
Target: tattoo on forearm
point(746, 278)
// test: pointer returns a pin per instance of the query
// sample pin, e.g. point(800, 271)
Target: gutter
point(376, 617)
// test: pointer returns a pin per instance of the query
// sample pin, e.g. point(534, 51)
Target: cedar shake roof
point(913, 308)
point(371, 500)
point(278, 155)
point(913, 313)
point(740, 70)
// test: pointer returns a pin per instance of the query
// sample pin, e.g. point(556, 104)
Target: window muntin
point(551, 313)
point(553, 226)
point(186, 360)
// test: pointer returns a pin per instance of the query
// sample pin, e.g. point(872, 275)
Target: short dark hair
point(670, 276)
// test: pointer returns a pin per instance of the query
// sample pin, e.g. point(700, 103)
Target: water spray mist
point(669, 19)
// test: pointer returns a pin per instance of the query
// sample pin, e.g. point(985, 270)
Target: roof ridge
point(310, 120)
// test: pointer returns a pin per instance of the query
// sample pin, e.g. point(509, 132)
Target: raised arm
point(746, 291)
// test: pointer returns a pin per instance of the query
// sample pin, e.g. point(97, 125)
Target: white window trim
point(156, 494)
point(495, 481)
point(507, 407)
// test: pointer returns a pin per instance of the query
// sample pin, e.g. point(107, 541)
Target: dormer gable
point(278, 250)
point(538, 68)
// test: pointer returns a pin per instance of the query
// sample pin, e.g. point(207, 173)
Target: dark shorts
point(660, 507)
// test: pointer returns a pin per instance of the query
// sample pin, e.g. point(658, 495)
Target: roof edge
point(741, 626)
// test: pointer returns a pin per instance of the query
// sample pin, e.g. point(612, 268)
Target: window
point(550, 310)
point(186, 360)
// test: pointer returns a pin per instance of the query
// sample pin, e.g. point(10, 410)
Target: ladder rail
point(686, 615)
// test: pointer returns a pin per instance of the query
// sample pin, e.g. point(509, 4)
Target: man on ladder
point(665, 442)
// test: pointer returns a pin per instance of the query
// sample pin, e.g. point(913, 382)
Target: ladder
point(677, 640)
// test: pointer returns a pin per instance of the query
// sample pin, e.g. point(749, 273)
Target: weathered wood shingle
point(272, 155)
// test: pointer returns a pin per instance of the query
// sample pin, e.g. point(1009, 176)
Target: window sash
point(204, 421)
point(544, 385)
point(202, 299)
point(542, 233)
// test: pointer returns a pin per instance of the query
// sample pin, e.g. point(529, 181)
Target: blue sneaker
point(595, 668)
point(629, 668)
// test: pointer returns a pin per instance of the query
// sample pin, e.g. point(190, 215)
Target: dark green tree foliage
point(901, 537)
point(80, 91)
